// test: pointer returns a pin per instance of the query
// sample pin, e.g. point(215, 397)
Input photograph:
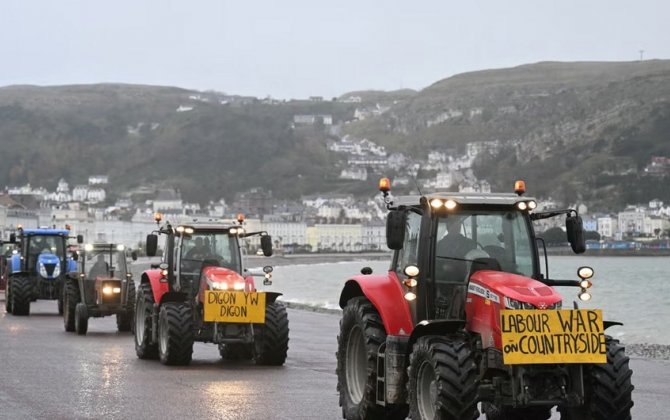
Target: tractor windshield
point(214, 248)
point(502, 237)
point(104, 261)
point(42, 244)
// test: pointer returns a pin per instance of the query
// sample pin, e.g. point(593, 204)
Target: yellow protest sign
point(564, 336)
point(243, 307)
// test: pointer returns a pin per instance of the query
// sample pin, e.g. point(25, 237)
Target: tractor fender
point(607, 324)
point(270, 297)
point(158, 287)
point(15, 263)
point(386, 295)
point(435, 327)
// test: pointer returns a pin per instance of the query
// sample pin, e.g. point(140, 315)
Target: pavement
point(46, 372)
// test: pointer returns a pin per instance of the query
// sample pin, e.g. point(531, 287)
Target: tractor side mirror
point(12, 238)
point(152, 245)
point(395, 229)
point(133, 255)
point(80, 239)
point(266, 245)
point(575, 232)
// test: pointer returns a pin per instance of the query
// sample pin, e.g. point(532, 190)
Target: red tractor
point(466, 317)
point(202, 292)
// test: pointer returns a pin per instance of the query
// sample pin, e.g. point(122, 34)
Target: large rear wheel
point(361, 334)
point(175, 334)
point(442, 379)
point(144, 305)
point(21, 295)
point(608, 388)
point(70, 300)
point(271, 338)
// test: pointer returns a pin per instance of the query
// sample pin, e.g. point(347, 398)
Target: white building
point(287, 232)
point(608, 226)
point(359, 174)
point(98, 180)
point(631, 220)
point(444, 180)
point(96, 195)
point(168, 199)
point(373, 235)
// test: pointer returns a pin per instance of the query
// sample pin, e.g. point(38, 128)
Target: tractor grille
point(50, 269)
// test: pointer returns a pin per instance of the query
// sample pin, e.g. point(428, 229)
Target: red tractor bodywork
point(486, 294)
point(386, 294)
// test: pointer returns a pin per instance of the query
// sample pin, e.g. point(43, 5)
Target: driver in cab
point(199, 251)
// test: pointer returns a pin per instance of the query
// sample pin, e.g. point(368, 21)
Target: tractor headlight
point(517, 304)
point(56, 272)
point(238, 285)
point(43, 271)
point(219, 285)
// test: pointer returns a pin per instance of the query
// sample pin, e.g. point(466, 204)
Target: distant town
point(318, 223)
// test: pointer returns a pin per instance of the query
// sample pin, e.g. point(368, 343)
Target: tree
point(554, 236)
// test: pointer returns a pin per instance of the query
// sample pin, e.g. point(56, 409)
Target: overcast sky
point(295, 49)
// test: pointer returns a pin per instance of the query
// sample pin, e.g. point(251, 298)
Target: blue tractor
point(38, 269)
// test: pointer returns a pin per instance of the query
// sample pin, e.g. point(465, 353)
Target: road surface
point(48, 373)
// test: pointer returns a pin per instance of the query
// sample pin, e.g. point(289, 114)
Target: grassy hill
point(573, 129)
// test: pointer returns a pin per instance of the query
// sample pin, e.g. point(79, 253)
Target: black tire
point(81, 319)
point(508, 413)
point(175, 334)
point(609, 391)
point(271, 338)
point(144, 304)
point(442, 381)
point(21, 295)
point(236, 351)
point(70, 300)
point(361, 334)
point(8, 297)
point(124, 322)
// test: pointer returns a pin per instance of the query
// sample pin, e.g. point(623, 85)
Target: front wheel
point(175, 334)
point(124, 321)
point(81, 319)
point(442, 379)
point(144, 304)
point(70, 300)
point(608, 388)
point(361, 334)
point(271, 338)
point(21, 295)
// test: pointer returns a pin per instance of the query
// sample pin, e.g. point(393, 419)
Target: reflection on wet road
point(48, 373)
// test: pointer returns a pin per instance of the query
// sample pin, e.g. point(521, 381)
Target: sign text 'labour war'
point(565, 336)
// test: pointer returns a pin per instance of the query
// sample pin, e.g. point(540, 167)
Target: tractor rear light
point(410, 296)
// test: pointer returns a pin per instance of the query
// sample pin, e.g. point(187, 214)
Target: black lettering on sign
point(593, 324)
point(234, 311)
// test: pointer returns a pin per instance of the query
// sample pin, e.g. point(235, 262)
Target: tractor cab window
point(97, 264)
point(502, 237)
point(213, 248)
point(39, 244)
point(410, 250)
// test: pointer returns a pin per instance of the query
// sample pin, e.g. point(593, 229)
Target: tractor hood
point(48, 265)
point(221, 278)
point(516, 287)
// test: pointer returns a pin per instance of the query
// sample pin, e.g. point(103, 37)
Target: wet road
point(48, 373)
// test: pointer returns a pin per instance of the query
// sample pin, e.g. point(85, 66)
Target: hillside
point(135, 134)
point(577, 131)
